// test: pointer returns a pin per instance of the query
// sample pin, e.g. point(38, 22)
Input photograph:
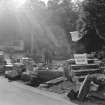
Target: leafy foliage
point(63, 14)
point(91, 24)
point(56, 20)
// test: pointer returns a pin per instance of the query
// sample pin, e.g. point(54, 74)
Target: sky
point(45, 1)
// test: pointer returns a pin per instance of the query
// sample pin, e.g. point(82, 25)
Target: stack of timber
point(79, 71)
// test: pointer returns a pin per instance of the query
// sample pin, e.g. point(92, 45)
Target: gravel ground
point(65, 87)
point(62, 88)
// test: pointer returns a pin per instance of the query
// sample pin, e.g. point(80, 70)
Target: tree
point(91, 23)
point(52, 25)
point(62, 16)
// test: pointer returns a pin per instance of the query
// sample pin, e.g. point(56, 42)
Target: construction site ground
point(65, 87)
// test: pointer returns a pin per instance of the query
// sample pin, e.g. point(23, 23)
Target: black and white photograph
point(52, 52)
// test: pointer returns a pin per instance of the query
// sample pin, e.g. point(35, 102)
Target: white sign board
point(80, 58)
point(75, 36)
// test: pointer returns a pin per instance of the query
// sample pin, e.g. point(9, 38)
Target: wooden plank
point(78, 67)
point(85, 70)
point(87, 59)
point(82, 76)
point(94, 64)
point(55, 81)
point(77, 77)
point(86, 73)
point(84, 89)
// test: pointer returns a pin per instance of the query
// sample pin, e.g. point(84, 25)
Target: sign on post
point(80, 58)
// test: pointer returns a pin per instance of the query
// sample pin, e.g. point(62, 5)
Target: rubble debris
point(14, 71)
point(12, 75)
point(34, 82)
point(72, 95)
point(100, 95)
point(98, 82)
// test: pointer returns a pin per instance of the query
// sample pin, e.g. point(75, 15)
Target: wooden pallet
point(78, 71)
